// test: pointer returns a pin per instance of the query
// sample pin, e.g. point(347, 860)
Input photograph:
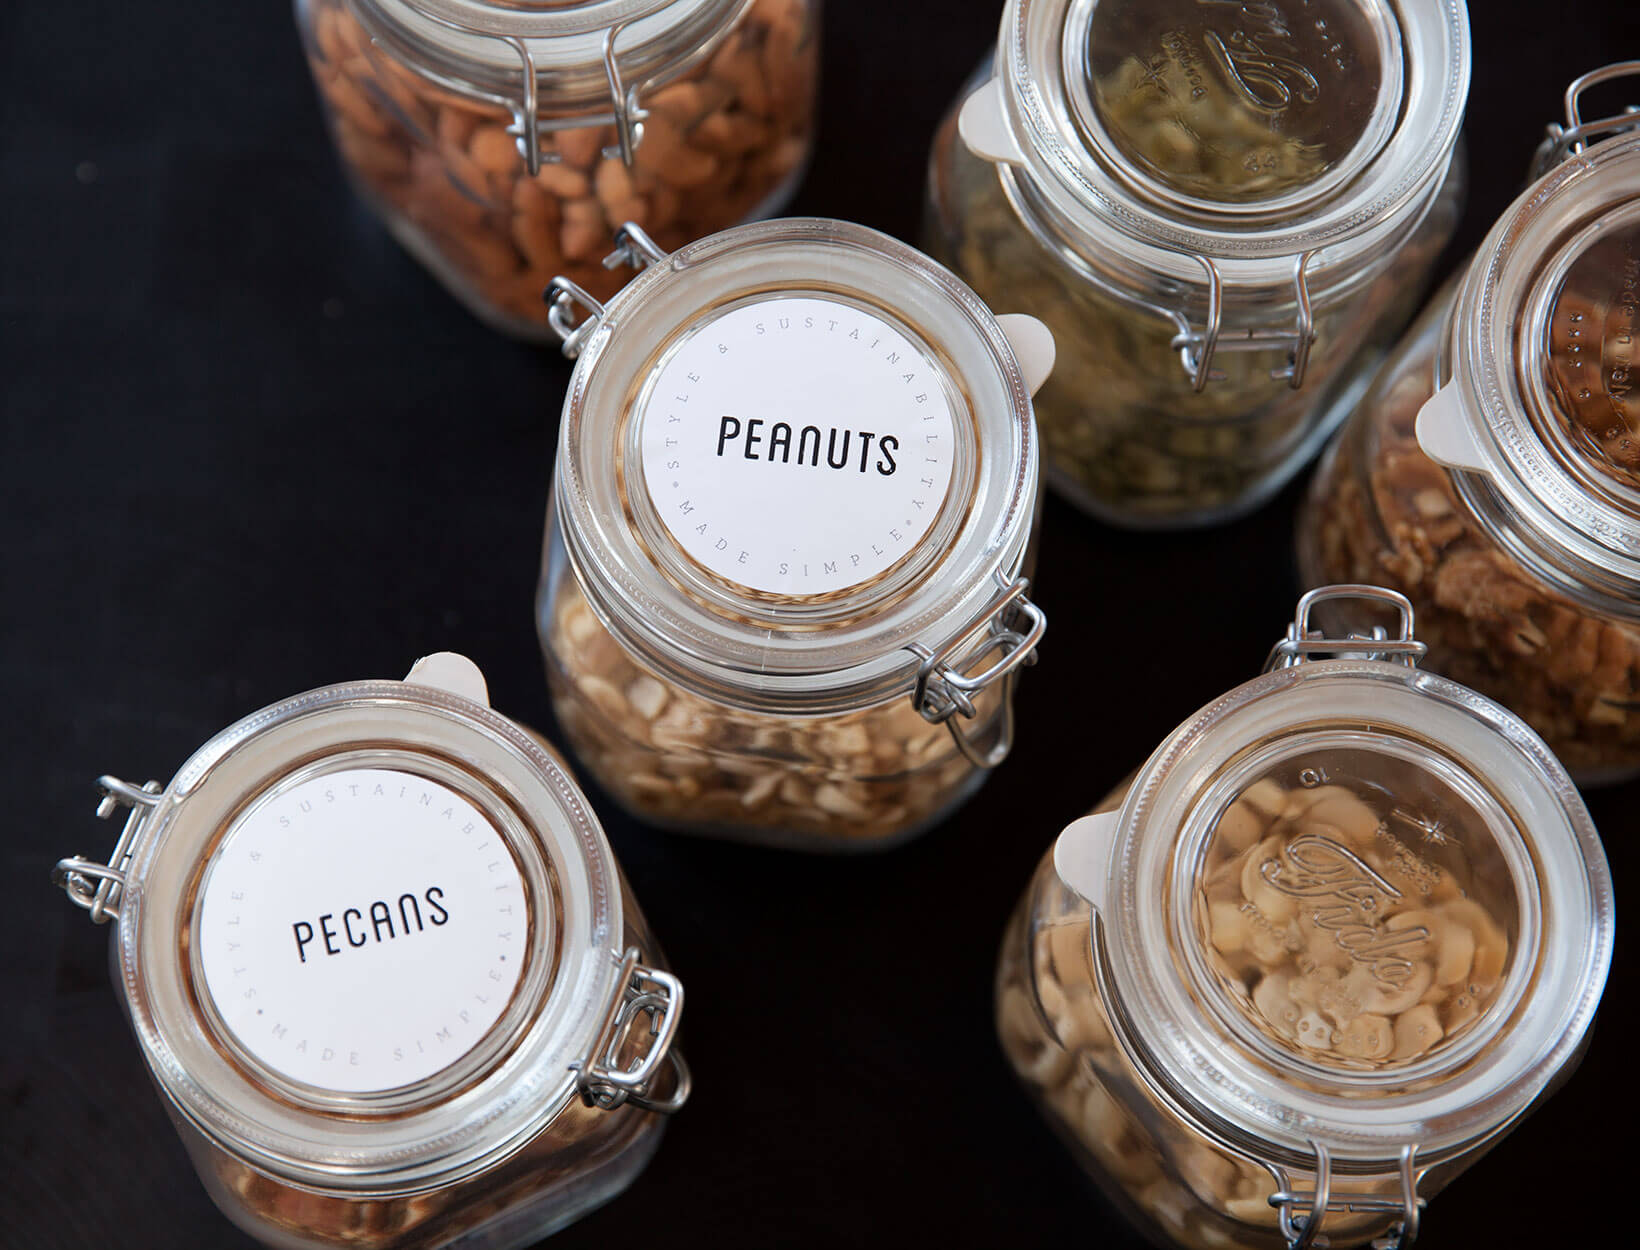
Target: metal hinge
point(1572, 138)
point(1012, 625)
point(633, 247)
point(1302, 641)
point(1197, 348)
point(603, 1081)
point(1302, 1212)
point(97, 886)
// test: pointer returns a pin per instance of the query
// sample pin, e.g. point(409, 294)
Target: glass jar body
point(583, 1158)
point(674, 758)
point(1381, 511)
point(725, 140)
point(1167, 1174)
point(1125, 435)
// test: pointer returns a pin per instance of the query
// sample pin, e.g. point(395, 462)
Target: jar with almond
point(386, 973)
point(783, 595)
point(1225, 213)
point(503, 143)
point(1492, 474)
point(1342, 930)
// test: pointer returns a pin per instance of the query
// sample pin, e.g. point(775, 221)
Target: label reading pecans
point(361, 930)
point(797, 446)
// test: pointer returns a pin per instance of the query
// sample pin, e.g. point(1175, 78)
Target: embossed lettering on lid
point(1354, 909)
point(1226, 104)
point(1592, 364)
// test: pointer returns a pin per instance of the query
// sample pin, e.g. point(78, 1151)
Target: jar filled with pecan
point(386, 973)
point(1344, 928)
point(1225, 213)
point(1492, 474)
point(783, 595)
point(503, 141)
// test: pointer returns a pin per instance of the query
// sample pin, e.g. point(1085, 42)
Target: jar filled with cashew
point(1492, 473)
point(504, 143)
point(1224, 213)
point(784, 594)
point(386, 973)
point(1298, 972)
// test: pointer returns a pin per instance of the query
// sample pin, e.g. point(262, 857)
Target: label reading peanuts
point(362, 930)
point(798, 446)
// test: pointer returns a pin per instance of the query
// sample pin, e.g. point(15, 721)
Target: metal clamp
point(633, 247)
point(1571, 139)
point(526, 128)
point(1302, 1212)
point(603, 1082)
point(1197, 348)
point(97, 886)
point(1302, 641)
point(945, 690)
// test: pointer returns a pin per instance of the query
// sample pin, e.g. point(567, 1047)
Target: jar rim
point(796, 652)
point(1400, 160)
point(1447, 1102)
point(498, 1092)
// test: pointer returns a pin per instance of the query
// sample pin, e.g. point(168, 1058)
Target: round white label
point(797, 446)
point(362, 930)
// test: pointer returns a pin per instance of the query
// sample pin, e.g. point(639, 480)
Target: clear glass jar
point(1492, 474)
point(1225, 216)
point(386, 973)
point(1346, 925)
point(504, 141)
point(783, 589)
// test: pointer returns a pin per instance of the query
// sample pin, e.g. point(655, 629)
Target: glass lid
point(1226, 107)
point(368, 931)
point(1349, 903)
point(1541, 414)
point(1234, 130)
point(793, 449)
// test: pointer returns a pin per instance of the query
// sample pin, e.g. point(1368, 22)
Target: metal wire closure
point(633, 247)
point(1302, 641)
point(1572, 138)
point(945, 690)
point(1303, 1211)
point(1197, 348)
point(97, 886)
point(626, 113)
point(602, 1081)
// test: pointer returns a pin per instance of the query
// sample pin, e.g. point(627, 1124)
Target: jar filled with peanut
point(1346, 925)
point(504, 142)
point(1492, 474)
point(783, 595)
point(386, 973)
point(1224, 212)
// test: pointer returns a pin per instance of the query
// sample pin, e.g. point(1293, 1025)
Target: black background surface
point(251, 448)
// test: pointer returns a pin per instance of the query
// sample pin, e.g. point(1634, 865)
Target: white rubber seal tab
point(797, 446)
point(361, 930)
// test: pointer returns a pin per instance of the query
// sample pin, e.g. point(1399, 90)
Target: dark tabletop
point(251, 448)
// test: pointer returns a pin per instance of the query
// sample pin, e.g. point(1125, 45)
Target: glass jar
point(783, 594)
point(1340, 932)
point(503, 141)
point(1492, 474)
point(386, 973)
point(1223, 213)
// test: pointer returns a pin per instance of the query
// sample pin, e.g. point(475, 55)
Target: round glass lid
point(792, 449)
point(1236, 106)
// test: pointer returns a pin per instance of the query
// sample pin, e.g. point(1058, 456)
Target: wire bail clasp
point(1571, 139)
point(1302, 1212)
point(1197, 348)
point(633, 247)
point(1303, 641)
point(97, 886)
point(603, 1081)
point(1012, 625)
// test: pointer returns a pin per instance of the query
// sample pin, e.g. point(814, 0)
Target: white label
point(798, 446)
point(362, 930)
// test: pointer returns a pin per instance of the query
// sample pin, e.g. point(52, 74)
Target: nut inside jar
point(724, 133)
